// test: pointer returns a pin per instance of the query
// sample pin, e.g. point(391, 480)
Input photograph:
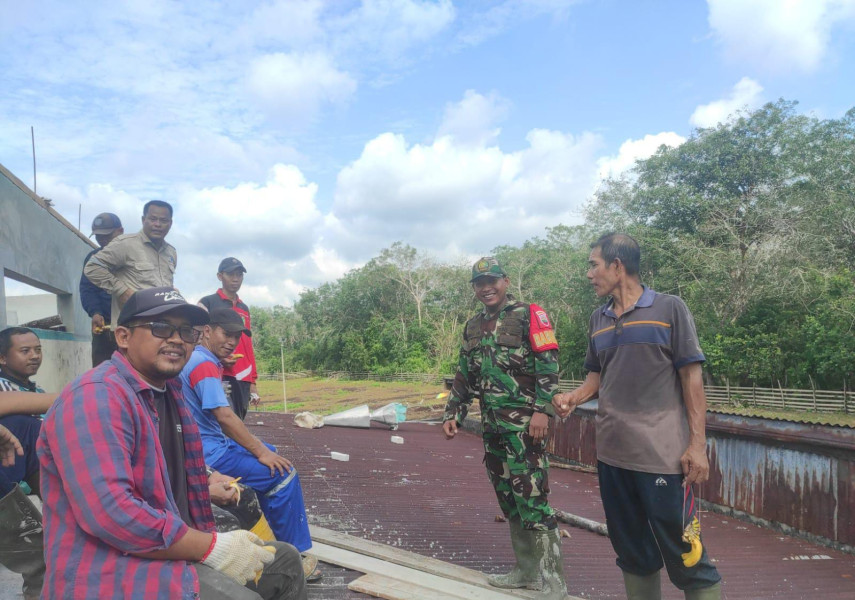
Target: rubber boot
point(548, 553)
point(642, 587)
point(712, 592)
point(525, 573)
point(21, 540)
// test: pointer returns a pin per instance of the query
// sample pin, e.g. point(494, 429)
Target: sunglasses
point(165, 331)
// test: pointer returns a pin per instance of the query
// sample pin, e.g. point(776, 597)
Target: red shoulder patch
point(540, 333)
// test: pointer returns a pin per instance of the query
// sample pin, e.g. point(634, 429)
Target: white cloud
point(473, 120)
point(499, 16)
point(775, 34)
point(277, 220)
point(453, 198)
point(294, 24)
point(446, 197)
point(747, 93)
point(383, 30)
point(291, 88)
point(633, 150)
point(274, 227)
point(90, 201)
point(117, 87)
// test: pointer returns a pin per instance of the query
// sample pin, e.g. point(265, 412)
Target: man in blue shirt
point(229, 446)
point(97, 302)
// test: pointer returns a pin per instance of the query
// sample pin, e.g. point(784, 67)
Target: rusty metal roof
point(431, 496)
point(815, 418)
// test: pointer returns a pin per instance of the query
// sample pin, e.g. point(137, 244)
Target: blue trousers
point(280, 496)
point(26, 468)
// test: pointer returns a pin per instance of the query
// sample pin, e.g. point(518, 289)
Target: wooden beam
point(440, 586)
point(379, 586)
point(401, 557)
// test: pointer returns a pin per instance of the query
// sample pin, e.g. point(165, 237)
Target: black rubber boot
point(21, 540)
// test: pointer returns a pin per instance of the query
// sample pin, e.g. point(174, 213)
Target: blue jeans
point(280, 496)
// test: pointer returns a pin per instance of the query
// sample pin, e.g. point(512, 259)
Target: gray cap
point(105, 223)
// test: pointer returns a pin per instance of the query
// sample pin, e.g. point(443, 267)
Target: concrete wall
point(23, 309)
point(40, 248)
point(63, 361)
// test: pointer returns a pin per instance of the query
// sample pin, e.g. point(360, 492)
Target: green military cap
point(487, 266)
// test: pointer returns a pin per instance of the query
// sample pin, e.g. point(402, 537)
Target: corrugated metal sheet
point(431, 496)
point(575, 438)
point(814, 418)
point(800, 475)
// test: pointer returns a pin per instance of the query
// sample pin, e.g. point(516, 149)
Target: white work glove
point(239, 554)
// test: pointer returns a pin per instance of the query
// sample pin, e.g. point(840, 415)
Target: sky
point(304, 136)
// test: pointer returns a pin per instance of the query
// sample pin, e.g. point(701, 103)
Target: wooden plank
point(404, 558)
point(442, 587)
point(392, 589)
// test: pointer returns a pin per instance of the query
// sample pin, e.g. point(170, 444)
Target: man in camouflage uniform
point(509, 361)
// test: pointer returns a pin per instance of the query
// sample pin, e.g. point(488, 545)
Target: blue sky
point(305, 136)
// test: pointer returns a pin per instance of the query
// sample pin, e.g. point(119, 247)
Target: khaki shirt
point(131, 262)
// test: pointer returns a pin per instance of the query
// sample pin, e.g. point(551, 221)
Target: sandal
point(310, 568)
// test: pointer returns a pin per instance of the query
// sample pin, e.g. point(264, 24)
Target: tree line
point(751, 222)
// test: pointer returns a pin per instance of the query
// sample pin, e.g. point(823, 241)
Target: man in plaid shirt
point(127, 510)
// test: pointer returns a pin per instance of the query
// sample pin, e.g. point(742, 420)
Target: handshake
point(564, 403)
point(239, 554)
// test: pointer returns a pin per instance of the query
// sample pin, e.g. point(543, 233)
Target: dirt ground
point(328, 396)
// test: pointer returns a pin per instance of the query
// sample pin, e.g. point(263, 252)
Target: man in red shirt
point(239, 370)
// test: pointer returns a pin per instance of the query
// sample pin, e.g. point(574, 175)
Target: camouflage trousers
point(519, 471)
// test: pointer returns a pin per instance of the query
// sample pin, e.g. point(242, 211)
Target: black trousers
point(282, 579)
point(103, 346)
point(25, 468)
point(239, 397)
point(644, 514)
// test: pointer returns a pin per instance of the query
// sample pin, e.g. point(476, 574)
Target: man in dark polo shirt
point(240, 371)
point(644, 365)
point(97, 302)
point(21, 543)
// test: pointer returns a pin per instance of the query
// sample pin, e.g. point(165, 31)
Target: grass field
point(328, 396)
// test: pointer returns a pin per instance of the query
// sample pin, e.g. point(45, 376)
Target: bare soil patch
point(328, 396)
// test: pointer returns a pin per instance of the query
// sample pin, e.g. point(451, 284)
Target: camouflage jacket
point(512, 370)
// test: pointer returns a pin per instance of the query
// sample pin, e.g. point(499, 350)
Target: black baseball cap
point(105, 223)
point(229, 320)
point(227, 265)
point(159, 301)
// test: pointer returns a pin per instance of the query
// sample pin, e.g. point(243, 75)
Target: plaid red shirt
point(106, 490)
